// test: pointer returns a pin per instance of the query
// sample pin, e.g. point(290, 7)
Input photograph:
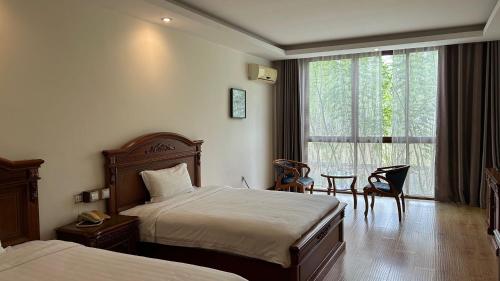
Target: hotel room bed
point(28, 259)
point(260, 235)
point(65, 261)
point(252, 223)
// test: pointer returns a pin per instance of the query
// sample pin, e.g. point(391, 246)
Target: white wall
point(76, 78)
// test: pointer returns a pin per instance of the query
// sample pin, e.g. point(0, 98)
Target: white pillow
point(167, 183)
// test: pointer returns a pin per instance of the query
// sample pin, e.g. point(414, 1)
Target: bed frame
point(311, 255)
point(19, 221)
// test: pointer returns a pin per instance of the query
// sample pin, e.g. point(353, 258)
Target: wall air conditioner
point(262, 73)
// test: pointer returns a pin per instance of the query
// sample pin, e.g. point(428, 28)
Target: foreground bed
point(308, 256)
point(60, 261)
point(30, 260)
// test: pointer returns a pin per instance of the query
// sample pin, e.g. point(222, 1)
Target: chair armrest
point(307, 169)
point(379, 177)
point(377, 172)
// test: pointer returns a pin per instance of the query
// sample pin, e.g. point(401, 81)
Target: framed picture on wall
point(238, 103)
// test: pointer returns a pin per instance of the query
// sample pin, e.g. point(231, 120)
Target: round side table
point(332, 186)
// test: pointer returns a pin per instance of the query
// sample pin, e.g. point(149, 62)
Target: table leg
point(354, 191)
point(355, 197)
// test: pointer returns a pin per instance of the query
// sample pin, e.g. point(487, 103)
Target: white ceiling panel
point(288, 22)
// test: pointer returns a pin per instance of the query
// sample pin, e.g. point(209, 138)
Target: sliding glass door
point(371, 110)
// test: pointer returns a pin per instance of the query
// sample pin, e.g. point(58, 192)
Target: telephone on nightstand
point(92, 218)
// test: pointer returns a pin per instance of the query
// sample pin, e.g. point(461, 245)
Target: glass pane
point(369, 158)
point(423, 93)
point(370, 98)
point(374, 155)
point(387, 95)
point(393, 154)
point(330, 100)
point(329, 158)
point(421, 176)
point(399, 94)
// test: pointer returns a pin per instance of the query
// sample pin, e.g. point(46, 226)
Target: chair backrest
point(279, 169)
point(397, 176)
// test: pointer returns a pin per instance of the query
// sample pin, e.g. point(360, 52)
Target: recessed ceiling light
point(166, 19)
point(376, 49)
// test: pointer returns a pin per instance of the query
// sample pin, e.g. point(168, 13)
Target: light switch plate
point(94, 196)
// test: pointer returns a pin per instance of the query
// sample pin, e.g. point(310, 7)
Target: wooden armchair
point(290, 176)
point(394, 177)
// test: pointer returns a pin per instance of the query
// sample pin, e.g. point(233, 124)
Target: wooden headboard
point(19, 221)
point(150, 152)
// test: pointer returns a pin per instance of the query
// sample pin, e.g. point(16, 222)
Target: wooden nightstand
point(119, 234)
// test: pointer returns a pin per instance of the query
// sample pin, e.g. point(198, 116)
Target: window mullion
point(407, 114)
point(355, 108)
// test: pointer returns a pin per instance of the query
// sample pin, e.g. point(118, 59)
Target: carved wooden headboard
point(19, 221)
point(150, 152)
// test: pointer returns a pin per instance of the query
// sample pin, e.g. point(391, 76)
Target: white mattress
point(65, 261)
point(254, 223)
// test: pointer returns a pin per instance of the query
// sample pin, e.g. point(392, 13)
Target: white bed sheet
point(254, 223)
point(64, 261)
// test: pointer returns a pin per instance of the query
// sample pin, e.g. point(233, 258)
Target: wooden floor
point(435, 241)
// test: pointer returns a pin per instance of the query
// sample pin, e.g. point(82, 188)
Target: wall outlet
point(78, 198)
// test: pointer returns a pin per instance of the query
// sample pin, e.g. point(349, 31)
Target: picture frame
point(238, 103)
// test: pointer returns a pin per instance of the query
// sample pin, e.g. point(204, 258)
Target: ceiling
point(290, 22)
point(282, 29)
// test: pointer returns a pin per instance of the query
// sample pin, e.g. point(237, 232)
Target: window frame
point(354, 138)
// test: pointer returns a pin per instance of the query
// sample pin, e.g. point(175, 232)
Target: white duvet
point(65, 261)
point(254, 223)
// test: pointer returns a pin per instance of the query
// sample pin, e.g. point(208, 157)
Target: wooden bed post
point(19, 199)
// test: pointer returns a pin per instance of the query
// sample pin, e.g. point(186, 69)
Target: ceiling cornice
point(472, 31)
point(217, 30)
point(421, 38)
point(387, 37)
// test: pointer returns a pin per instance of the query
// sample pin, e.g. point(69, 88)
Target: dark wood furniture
point(19, 221)
point(332, 186)
point(290, 176)
point(493, 185)
point(394, 177)
point(311, 255)
point(118, 234)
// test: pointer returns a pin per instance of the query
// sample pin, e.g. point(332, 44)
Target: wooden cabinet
point(119, 234)
point(493, 184)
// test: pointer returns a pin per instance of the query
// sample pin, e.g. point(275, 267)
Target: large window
point(371, 110)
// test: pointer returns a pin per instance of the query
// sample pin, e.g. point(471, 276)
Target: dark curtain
point(492, 92)
point(287, 110)
point(467, 130)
